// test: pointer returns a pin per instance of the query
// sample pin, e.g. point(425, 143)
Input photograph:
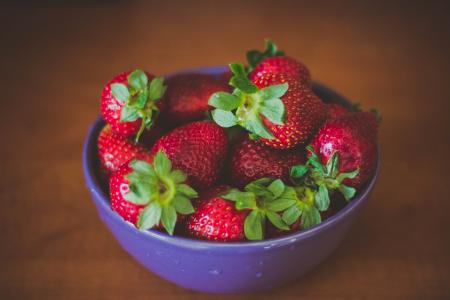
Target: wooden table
point(56, 57)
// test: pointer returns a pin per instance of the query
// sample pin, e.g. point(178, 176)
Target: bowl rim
point(102, 199)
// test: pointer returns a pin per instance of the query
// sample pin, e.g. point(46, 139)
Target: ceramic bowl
point(225, 267)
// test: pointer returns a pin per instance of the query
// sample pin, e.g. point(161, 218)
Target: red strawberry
point(151, 194)
point(118, 184)
point(353, 138)
point(129, 102)
point(285, 65)
point(187, 96)
point(217, 219)
point(251, 160)
point(274, 61)
point(279, 108)
point(198, 149)
point(115, 150)
point(335, 111)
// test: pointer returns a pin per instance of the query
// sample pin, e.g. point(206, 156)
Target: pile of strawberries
point(246, 155)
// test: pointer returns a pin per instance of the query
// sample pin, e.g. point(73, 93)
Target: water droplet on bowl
point(259, 274)
point(176, 261)
point(215, 272)
point(261, 263)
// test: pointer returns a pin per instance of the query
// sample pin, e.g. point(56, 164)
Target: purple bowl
point(225, 267)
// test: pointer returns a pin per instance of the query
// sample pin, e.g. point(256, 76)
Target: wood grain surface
point(56, 57)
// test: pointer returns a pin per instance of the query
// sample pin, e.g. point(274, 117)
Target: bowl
point(225, 267)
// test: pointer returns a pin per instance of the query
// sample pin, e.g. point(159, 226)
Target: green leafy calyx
point(255, 56)
point(247, 103)
point(266, 199)
point(161, 190)
point(304, 208)
point(139, 97)
point(324, 178)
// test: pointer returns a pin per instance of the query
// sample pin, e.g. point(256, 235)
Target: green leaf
point(254, 124)
point(332, 165)
point(276, 220)
point(243, 200)
point(183, 205)
point(138, 193)
point(128, 114)
point(350, 175)
point(178, 176)
point(141, 99)
point(347, 192)
point(259, 189)
point(253, 226)
point(298, 171)
point(254, 57)
point(322, 199)
point(169, 218)
point(224, 118)
point(271, 47)
point(310, 217)
point(120, 92)
point(187, 191)
point(162, 164)
point(291, 215)
point(240, 79)
point(224, 101)
point(276, 187)
point(273, 110)
point(149, 216)
point(138, 80)
point(246, 200)
point(273, 91)
point(280, 204)
point(142, 166)
point(157, 88)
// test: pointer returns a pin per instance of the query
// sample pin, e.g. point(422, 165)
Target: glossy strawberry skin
point(305, 112)
point(286, 65)
point(216, 219)
point(118, 184)
point(115, 150)
point(198, 149)
point(354, 138)
point(251, 160)
point(188, 94)
point(111, 108)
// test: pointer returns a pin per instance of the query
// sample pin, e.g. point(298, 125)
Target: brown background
point(55, 58)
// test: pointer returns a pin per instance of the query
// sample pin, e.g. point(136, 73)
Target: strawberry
point(342, 156)
point(187, 96)
point(129, 102)
point(198, 149)
point(217, 218)
point(150, 194)
point(115, 150)
point(274, 61)
point(250, 160)
point(353, 137)
point(278, 108)
point(335, 111)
